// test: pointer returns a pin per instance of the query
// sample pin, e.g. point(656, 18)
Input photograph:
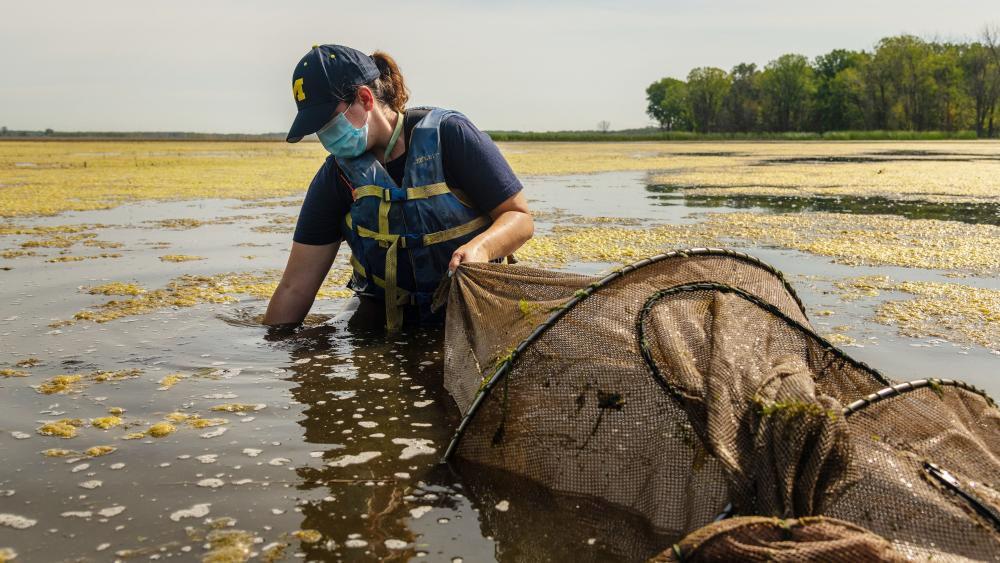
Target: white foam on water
point(414, 447)
point(346, 460)
point(196, 511)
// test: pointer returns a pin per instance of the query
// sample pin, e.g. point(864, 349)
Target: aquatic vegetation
point(840, 339)
point(178, 224)
point(170, 380)
point(238, 407)
point(98, 451)
point(180, 258)
point(82, 258)
point(869, 239)
point(102, 243)
point(35, 230)
point(106, 422)
point(849, 239)
point(228, 546)
point(66, 259)
point(63, 428)
point(119, 375)
point(80, 176)
point(607, 244)
point(58, 452)
point(161, 429)
point(28, 362)
point(17, 253)
point(308, 536)
point(7, 554)
point(117, 288)
point(863, 286)
point(191, 290)
point(859, 170)
point(7, 372)
point(955, 312)
point(60, 384)
point(58, 241)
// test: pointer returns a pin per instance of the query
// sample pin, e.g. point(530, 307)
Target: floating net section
point(690, 389)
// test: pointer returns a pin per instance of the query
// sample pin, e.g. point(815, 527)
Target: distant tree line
point(904, 84)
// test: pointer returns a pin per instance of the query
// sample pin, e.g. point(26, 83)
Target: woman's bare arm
point(304, 274)
point(512, 226)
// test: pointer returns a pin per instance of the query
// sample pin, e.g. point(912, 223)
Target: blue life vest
point(402, 238)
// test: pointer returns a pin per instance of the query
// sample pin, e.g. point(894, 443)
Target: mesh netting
point(691, 385)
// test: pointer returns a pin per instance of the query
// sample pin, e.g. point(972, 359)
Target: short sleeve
point(473, 164)
point(325, 205)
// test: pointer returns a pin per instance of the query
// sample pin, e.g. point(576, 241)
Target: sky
point(225, 65)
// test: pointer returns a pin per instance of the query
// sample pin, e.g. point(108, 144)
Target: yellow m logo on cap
point(297, 90)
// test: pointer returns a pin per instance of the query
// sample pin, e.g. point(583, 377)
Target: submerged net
point(689, 388)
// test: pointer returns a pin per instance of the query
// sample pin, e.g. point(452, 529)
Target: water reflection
point(975, 213)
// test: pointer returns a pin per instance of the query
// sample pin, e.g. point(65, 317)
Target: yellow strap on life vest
point(395, 296)
point(456, 232)
point(421, 192)
point(404, 295)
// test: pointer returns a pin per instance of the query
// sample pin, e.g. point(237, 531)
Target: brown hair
point(389, 88)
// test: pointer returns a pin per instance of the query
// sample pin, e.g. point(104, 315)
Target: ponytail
point(389, 88)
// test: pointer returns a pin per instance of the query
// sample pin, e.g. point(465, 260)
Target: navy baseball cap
point(321, 80)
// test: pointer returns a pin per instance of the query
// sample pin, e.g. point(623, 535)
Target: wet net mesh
point(690, 389)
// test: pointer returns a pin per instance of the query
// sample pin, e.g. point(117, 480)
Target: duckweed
point(238, 407)
point(180, 258)
point(106, 422)
point(17, 253)
point(191, 290)
point(63, 428)
point(229, 546)
point(161, 429)
point(170, 380)
point(955, 312)
point(98, 451)
point(117, 288)
point(80, 176)
point(784, 170)
point(60, 384)
point(308, 536)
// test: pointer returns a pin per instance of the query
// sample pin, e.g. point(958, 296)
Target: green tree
point(981, 82)
point(907, 60)
point(786, 93)
point(838, 101)
point(742, 104)
point(707, 88)
point(667, 103)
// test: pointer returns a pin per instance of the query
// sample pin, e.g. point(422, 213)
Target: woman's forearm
point(304, 274)
point(506, 234)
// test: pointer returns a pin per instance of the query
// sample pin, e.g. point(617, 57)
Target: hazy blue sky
point(225, 65)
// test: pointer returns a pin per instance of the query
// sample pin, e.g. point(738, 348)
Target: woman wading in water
point(414, 192)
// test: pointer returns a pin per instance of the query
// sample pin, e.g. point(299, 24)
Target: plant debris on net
point(690, 389)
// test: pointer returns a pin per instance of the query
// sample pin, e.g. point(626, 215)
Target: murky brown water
point(335, 456)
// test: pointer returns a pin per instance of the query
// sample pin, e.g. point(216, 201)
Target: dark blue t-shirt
point(472, 164)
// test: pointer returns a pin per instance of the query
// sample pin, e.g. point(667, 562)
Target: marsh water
point(339, 429)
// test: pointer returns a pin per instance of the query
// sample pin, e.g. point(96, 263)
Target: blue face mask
point(343, 139)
